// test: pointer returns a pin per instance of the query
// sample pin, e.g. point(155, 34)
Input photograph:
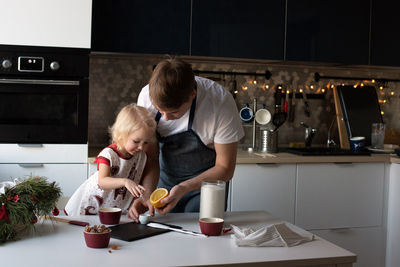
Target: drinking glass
point(377, 135)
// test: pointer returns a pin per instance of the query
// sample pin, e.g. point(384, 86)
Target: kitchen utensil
point(211, 226)
point(263, 116)
point(110, 215)
point(246, 114)
point(144, 218)
point(292, 107)
point(306, 105)
point(269, 141)
point(166, 227)
point(74, 222)
point(279, 116)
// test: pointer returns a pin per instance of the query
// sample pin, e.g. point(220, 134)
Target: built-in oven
point(43, 95)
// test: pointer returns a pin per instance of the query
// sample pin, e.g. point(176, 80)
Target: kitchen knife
point(306, 105)
point(74, 222)
point(163, 226)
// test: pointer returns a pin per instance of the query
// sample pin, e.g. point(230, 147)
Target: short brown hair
point(171, 83)
point(131, 118)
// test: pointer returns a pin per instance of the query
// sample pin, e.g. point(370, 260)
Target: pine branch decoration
point(23, 203)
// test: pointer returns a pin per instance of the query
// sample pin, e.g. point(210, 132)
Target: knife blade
point(163, 226)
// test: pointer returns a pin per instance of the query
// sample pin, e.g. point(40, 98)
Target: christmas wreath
point(22, 203)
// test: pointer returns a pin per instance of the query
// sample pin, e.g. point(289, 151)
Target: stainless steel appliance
point(43, 95)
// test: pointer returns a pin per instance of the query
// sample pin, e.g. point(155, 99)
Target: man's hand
point(175, 194)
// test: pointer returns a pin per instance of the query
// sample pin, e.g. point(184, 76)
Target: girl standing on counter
point(120, 166)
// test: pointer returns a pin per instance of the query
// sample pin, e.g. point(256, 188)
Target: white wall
point(57, 23)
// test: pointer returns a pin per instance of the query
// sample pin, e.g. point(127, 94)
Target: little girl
point(119, 166)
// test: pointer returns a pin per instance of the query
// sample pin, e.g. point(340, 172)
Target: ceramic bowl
point(211, 226)
point(97, 240)
point(110, 215)
point(263, 116)
point(144, 218)
point(246, 114)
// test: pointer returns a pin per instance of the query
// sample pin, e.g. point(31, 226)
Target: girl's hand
point(135, 189)
point(140, 206)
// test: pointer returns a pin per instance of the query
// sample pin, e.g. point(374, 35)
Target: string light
point(392, 93)
point(323, 90)
point(244, 88)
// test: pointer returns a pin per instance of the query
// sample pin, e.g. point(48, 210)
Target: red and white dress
point(89, 197)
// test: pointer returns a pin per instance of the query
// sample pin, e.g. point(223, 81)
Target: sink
point(323, 151)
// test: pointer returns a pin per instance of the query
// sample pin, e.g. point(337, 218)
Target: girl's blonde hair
point(131, 118)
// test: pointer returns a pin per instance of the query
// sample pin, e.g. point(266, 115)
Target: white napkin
point(276, 235)
point(8, 184)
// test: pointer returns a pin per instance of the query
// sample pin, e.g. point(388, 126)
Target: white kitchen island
point(61, 244)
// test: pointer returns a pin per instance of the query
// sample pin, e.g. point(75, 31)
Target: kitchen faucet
point(309, 134)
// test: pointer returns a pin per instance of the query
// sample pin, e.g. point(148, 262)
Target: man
point(198, 132)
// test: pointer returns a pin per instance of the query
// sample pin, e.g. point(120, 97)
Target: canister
point(268, 141)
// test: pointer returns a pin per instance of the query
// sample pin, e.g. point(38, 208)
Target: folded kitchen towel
point(276, 235)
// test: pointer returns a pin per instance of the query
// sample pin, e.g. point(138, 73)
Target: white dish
point(387, 148)
point(263, 116)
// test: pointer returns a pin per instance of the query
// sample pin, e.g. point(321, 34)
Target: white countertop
point(61, 244)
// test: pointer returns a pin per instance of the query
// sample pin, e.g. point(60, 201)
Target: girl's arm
point(106, 182)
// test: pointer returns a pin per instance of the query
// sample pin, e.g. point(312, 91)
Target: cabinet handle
point(31, 165)
point(30, 145)
point(267, 164)
point(343, 229)
point(343, 163)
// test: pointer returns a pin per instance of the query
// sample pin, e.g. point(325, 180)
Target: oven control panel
point(30, 64)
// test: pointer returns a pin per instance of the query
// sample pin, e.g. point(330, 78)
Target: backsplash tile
point(116, 80)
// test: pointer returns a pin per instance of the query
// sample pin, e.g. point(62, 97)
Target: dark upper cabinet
point(328, 31)
point(237, 28)
point(137, 26)
point(385, 38)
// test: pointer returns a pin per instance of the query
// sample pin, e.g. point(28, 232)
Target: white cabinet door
point(44, 153)
point(339, 195)
point(393, 222)
point(367, 243)
point(68, 176)
point(269, 187)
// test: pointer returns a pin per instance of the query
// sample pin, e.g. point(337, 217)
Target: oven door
point(43, 111)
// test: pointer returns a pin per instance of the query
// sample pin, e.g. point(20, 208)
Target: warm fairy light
point(244, 88)
point(392, 93)
point(355, 86)
point(332, 86)
point(323, 90)
point(266, 86)
point(380, 101)
point(373, 80)
point(287, 91)
point(383, 113)
point(254, 82)
point(312, 86)
point(279, 87)
point(384, 101)
point(282, 91)
point(301, 90)
point(362, 85)
point(381, 87)
point(235, 92)
point(342, 84)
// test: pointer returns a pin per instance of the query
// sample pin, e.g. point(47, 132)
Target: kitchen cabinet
point(328, 31)
point(393, 221)
point(66, 164)
point(46, 23)
point(149, 27)
point(242, 29)
point(367, 243)
point(344, 203)
point(385, 40)
point(269, 187)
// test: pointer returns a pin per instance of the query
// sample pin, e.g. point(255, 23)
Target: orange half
point(156, 197)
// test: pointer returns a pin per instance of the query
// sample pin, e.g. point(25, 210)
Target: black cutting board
point(134, 231)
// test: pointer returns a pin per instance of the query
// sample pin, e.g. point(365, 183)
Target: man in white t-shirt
point(198, 132)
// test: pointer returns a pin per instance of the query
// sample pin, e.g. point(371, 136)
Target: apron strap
point(191, 115)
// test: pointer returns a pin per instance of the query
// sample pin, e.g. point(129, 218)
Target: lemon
point(156, 197)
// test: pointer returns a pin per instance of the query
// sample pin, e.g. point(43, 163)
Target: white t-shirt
point(216, 116)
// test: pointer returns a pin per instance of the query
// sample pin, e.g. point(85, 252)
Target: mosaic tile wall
point(116, 80)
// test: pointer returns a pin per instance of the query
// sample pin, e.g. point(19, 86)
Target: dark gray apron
point(182, 157)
